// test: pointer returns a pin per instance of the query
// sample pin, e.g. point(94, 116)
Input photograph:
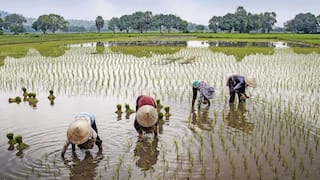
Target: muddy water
point(272, 135)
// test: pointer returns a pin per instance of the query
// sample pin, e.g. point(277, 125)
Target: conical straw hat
point(79, 131)
point(147, 115)
point(251, 82)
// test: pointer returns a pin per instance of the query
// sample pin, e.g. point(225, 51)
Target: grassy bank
point(313, 39)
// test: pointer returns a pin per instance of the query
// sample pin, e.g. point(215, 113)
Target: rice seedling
point(294, 174)
point(284, 118)
point(15, 100)
point(301, 165)
point(245, 162)
point(176, 148)
point(217, 170)
point(129, 172)
point(20, 144)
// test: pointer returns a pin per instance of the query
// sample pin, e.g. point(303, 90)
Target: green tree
point(290, 26)
point(182, 25)
point(143, 21)
point(57, 22)
point(302, 22)
point(1, 26)
point(14, 23)
point(99, 23)
point(138, 21)
point(125, 23)
point(158, 21)
point(214, 23)
point(242, 21)
point(147, 19)
point(43, 23)
point(200, 27)
point(268, 19)
point(170, 22)
point(306, 23)
point(113, 24)
point(227, 22)
point(254, 22)
point(318, 20)
point(51, 22)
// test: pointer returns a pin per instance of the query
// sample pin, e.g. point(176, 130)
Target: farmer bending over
point(238, 84)
point(146, 119)
point(82, 132)
point(206, 92)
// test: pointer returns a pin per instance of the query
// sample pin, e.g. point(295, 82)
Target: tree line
point(240, 21)
point(144, 21)
point(303, 22)
point(243, 22)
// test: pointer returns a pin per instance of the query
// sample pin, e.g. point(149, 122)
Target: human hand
point(244, 96)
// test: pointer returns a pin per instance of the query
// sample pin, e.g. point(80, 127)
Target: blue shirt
point(86, 115)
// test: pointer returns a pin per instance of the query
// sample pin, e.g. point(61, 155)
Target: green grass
point(147, 51)
point(313, 39)
point(53, 45)
point(299, 50)
point(49, 49)
point(240, 52)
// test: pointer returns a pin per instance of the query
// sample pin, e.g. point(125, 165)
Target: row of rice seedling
point(278, 136)
point(116, 71)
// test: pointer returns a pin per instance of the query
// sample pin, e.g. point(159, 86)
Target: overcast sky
point(196, 11)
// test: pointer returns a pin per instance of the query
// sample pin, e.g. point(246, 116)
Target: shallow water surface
point(274, 135)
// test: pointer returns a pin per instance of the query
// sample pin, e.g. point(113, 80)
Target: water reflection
point(11, 147)
point(52, 102)
point(119, 115)
point(85, 168)
point(280, 45)
point(237, 119)
point(199, 44)
point(51, 50)
point(17, 51)
point(2, 60)
point(128, 115)
point(20, 51)
point(100, 48)
point(20, 153)
point(147, 153)
point(160, 125)
point(201, 118)
point(240, 53)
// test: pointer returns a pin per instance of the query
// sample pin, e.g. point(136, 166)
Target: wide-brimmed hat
point(147, 115)
point(79, 131)
point(251, 82)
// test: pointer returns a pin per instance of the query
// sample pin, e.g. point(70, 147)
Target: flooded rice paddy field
point(274, 135)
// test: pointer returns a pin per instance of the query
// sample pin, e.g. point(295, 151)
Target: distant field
point(313, 39)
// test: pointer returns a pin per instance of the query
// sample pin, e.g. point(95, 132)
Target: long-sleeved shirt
point(236, 82)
